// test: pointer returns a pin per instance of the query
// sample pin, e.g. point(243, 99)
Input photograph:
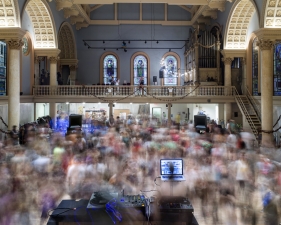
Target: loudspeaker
point(154, 78)
point(161, 74)
point(75, 120)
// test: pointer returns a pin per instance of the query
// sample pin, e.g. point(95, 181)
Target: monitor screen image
point(171, 166)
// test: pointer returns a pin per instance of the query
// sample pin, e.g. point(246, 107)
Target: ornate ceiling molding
point(61, 4)
point(238, 24)
point(213, 13)
point(9, 14)
point(42, 24)
point(8, 33)
point(68, 12)
point(49, 52)
point(272, 17)
point(66, 42)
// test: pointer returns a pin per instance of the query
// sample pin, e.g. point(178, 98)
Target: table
point(71, 212)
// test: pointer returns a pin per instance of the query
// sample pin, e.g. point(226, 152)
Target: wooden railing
point(122, 91)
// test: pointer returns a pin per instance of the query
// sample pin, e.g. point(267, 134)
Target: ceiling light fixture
point(103, 41)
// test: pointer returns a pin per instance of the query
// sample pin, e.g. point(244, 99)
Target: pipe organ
point(202, 56)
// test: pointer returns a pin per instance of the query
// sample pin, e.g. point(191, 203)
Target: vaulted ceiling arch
point(43, 24)
point(237, 24)
point(272, 14)
point(9, 13)
point(66, 42)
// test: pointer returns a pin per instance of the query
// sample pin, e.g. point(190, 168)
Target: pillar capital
point(15, 44)
point(227, 60)
point(37, 59)
point(265, 44)
point(244, 61)
point(73, 67)
point(53, 59)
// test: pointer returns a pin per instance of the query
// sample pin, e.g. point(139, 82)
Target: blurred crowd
point(227, 176)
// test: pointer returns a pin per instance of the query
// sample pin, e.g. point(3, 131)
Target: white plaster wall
point(26, 113)
point(42, 109)
point(211, 110)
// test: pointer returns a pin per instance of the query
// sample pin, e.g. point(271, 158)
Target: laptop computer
point(171, 170)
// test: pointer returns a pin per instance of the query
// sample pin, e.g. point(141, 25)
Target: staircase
point(249, 112)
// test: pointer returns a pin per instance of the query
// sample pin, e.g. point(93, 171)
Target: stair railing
point(255, 103)
point(245, 111)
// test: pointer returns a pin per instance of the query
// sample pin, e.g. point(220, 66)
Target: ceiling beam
point(143, 22)
point(186, 8)
point(95, 7)
point(170, 2)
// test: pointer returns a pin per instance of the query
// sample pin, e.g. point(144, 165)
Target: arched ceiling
point(42, 24)
point(9, 16)
point(272, 16)
point(66, 42)
point(238, 24)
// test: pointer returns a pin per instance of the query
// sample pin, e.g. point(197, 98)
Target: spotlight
point(85, 43)
point(131, 103)
point(123, 44)
point(117, 49)
point(67, 103)
point(129, 42)
point(104, 49)
point(169, 50)
point(103, 41)
point(125, 50)
point(145, 42)
point(83, 103)
point(157, 42)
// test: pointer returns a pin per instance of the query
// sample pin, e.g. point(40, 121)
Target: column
point(218, 45)
point(197, 75)
point(53, 113)
point(244, 73)
point(169, 122)
point(227, 83)
point(36, 70)
point(14, 83)
point(72, 75)
point(53, 71)
point(266, 90)
point(110, 105)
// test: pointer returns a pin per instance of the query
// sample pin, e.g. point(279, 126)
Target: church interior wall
point(153, 11)
point(25, 73)
point(26, 113)
point(127, 32)
point(106, 12)
point(253, 25)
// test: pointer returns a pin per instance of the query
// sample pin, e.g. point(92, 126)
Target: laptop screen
point(171, 167)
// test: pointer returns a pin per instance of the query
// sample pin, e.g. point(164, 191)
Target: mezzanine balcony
point(125, 93)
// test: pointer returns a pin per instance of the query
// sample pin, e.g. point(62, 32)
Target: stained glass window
point(110, 69)
point(277, 70)
point(140, 69)
point(170, 71)
point(255, 68)
point(3, 64)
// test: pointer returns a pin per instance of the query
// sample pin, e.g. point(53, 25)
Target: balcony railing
point(122, 91)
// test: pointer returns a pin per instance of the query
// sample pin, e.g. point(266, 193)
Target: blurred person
point(75, 177)
point(14, 135)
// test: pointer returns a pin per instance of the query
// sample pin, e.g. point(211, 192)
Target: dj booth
point(127, 210)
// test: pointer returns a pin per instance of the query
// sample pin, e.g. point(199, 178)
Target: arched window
point(170, 69)
point(140, 69)
point(255, 68)
point(3, 65)
point(277, 70)
point(109, 69)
